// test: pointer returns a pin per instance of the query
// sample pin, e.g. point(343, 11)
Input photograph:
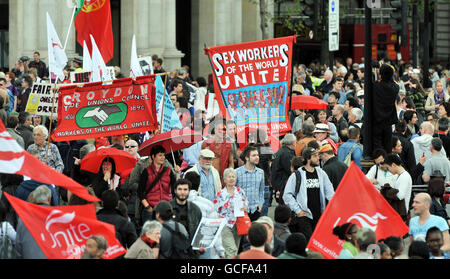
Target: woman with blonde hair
point(439, 96)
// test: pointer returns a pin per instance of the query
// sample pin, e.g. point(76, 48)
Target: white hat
point(206, 153)
point(321, 128)
point(360, 93)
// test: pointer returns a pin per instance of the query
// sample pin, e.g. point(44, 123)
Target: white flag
point(87, 61)
point(56, 55)
point(99, 70)
point(135, 67)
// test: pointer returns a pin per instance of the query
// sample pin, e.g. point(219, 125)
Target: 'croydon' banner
point(254, 79)
point(95, 110)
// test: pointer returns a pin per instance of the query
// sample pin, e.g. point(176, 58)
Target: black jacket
point(281, 167)
point(335, 170)
point(407, 155)
point(194, 215)
point(125, 230)
point(384, 110)
point(26, 133)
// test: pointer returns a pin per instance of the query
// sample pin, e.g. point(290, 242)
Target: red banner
point(95, 110)
point(357, 201)
point(254, 79)
point(62, 231)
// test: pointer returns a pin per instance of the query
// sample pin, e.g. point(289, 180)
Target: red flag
point(15, 160)
point(357, 201)
point(94, 18)
point(62, 231)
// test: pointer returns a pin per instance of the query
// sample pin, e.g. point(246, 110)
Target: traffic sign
point(333, 25)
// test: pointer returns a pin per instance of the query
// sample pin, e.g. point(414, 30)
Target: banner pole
point(218, 84)
point(163, 104)
point(50, 126)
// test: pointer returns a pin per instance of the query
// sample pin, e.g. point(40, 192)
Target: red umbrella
point(171, 141)
point(308, 102)
point(122, 159)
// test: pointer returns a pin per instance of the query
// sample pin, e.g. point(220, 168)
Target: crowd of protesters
point(216, 177)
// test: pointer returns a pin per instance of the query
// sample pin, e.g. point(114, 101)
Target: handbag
point(243, 224)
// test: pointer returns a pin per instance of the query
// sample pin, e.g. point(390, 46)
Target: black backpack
point(181, 247)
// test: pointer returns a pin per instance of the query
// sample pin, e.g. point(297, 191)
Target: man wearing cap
point(321, 133)
point(276, 245)
point(334, 168)
point(210, 183)
point(78, 64)
point(309, 203)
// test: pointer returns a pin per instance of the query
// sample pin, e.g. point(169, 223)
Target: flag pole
point(51, 121)
point(163, 103)
point(70, 26)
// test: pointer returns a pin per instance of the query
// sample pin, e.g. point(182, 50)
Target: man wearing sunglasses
point(131, 146)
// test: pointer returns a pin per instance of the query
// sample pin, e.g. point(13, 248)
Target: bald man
point(131, 146)
point(424, 220)
point(422, 144)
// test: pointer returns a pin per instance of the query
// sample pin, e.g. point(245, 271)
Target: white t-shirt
point(7, 227)
point(420, 232)
point(383, 177)
point(404, 186)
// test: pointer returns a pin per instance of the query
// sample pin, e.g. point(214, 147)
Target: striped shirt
point(252, 182)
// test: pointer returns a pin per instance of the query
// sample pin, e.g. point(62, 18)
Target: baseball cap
point(206, 153)
point(308, 152)
point(265, 220)
point(325, 148)
point(24, 58)
point(321, 128)
point(360, 93)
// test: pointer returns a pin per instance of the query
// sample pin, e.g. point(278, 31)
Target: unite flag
point(62, 231)
point(356, 200)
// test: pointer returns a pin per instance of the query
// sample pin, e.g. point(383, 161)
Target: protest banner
point(80, 77)
point(146, 65)
point(356, 200)
point(62, 231)
point(254, 80)
point(170, 118)
point(41, 101)
point(208, 231)
point(97, 110)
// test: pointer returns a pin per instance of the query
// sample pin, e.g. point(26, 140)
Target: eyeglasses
point(130, 146)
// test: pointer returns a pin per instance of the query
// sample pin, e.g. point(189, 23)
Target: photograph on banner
point(41, 100)
point(170, 119)
point(96, 111)
point(208, 231)
point(254, 79)
point(146, 64)
point(80, 77)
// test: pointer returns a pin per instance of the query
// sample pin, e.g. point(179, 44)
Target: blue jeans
point(266, 205)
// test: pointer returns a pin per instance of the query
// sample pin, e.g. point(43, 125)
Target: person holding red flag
point(308, 201)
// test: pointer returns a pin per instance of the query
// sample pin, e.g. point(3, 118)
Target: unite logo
point(66, 234)
point(93, 5)
point(365, 220)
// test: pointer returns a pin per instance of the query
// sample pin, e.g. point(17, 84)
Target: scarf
point(438, 98)
point(149, 242)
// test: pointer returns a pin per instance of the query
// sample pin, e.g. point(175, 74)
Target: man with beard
point(309, 202)
point(251, 179)
point(185, 212)
point(95, 248)
point(210, 183)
